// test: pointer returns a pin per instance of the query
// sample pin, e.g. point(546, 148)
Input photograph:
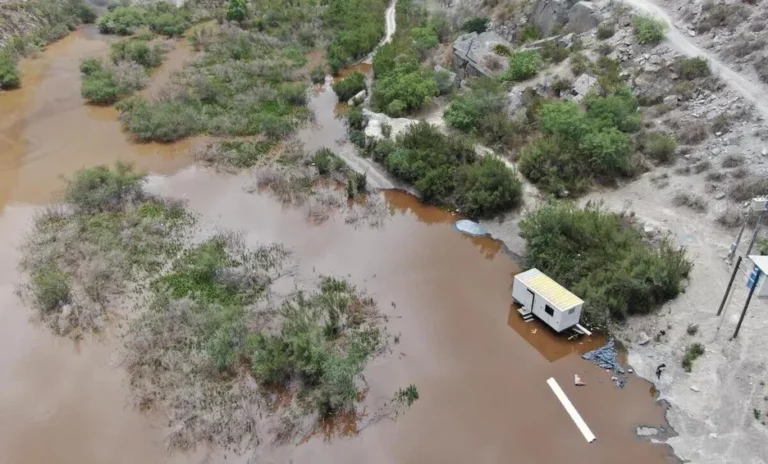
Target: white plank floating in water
point(571, 410)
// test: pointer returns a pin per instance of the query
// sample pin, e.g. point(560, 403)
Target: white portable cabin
point(541, 296)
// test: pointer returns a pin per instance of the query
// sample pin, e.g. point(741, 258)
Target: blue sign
point(754, 276)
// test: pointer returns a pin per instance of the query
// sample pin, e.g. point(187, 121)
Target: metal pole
point(758, 226)
point(730, 283)
point(746, 305)
point(735, 245)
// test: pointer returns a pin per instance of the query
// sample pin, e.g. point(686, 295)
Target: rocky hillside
point(47, 20)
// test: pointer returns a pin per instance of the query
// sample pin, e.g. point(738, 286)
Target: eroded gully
point(480, 370)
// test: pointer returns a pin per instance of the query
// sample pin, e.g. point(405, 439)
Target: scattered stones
point(643, 338)
point(695, 388)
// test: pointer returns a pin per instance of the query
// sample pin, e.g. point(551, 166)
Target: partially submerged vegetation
point(446, 171)
point(208, 340)
point(602, 258)
point(82, 256)
point(161, 17)
point(53, 20)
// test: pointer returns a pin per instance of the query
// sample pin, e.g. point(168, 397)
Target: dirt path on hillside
point(751, 91)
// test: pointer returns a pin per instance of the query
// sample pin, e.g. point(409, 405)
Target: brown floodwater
point(46, 130)
point(480, 370)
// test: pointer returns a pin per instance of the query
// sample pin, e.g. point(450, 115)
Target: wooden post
point(746, 305)
point(730, 283)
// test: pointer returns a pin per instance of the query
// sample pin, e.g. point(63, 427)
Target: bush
point(356, 119)
point(692, 68)
point(530, 33)
point(9, 73)
point(693, 133)
point(317, 75)
point(720, 124)
point(139, 51)
point(161, 122)
point(169, 24)
point(444, 170)
point(502, 50)
point(327, 162)
point(732, 161)
point(357, 26)
point(237, 10)
point(692, 329)
point(100, 87)
point(487, 187)
point(694, 202)
point(660, 147)
point(551, 52)
point(122, 20)
point(349, 86)
point(103, 189)
point(478, 25)
point(649, 31)
point(51, 288)
point(607, 263)
point(749, 189)
point(406, 88)
point(605, 31)
point(522, 65)
point(692, 352)
point(424, 38)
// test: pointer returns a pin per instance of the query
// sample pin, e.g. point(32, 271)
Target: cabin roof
point(554, 293)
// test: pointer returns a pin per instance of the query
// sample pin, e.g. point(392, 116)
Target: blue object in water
point(605, 357)
point(470, 228)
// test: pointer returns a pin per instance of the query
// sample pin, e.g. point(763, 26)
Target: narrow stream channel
point(479, 369)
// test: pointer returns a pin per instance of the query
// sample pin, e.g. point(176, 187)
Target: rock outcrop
point(583, 17)
point(551, 13)
point(476, 55)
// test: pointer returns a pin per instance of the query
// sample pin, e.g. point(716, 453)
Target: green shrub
point(356, 119)
point(478, 25)
point(103, 189)
point(406, 88)
point(618, 110)
point(660, 147)
point(598, 257)
point(530, 33)
point(122, 20)
point(237, 10)
point(51, 287)
point(692, 352)
point(91, 66)
point(424, 38)
point(522, 65)
point(605, 31)
point(552, 53)
point(502, 50)
point(9, 73)
point(357, 26)
point(327, 162)
point(169, 24)
point(487, 187)
point(99, 86)
point(140, 51)
point(349, 86)
point(692, 68)
point(649, 30)
point(162, 122)
point(608, 151)
point(317, 75)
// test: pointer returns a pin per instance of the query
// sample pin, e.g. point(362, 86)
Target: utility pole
point(753, 286)
point(730, 284)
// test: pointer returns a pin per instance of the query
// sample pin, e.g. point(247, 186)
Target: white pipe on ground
point(571, 410)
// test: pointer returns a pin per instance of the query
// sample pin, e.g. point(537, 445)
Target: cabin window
point(549, 310)
point(570, 311)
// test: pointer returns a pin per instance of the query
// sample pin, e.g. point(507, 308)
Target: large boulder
point(583, 85)
point(358, 99)
point(583, 17)
point(446, 80)
point(551, 13)
point(375, 121)
point(477, 55)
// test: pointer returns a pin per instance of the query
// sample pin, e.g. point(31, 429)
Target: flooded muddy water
point(480, 370)
point(46, 130)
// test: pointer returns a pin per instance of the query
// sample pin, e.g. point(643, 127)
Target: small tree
point(9, 74)
point(237, 10)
